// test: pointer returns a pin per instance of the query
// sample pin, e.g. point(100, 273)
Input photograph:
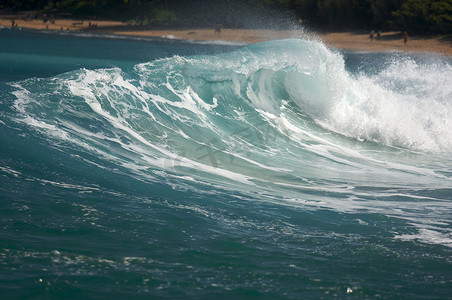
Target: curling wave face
point(282, 117)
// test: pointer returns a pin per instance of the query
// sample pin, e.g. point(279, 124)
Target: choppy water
point(278, 170)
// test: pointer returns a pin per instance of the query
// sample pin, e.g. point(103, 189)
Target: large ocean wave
point(278, 119)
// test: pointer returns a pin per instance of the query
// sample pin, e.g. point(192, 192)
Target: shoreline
point(349, 40)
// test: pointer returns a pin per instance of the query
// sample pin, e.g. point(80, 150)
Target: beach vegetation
point(163, 15)
point(413, 15)
point(425, 16)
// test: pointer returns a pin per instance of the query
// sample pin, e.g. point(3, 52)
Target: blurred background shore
point(345, 24)
point(349, 40)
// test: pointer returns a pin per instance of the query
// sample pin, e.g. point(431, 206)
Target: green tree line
point(412, 15)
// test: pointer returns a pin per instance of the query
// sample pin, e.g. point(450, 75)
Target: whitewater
point(283, 169)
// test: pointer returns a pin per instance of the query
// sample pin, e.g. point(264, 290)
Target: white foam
point(407, 105)
point(428, 236)
point(10, 171)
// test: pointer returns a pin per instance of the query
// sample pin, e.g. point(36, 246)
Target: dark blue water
point(163, 169)
point(25, 54)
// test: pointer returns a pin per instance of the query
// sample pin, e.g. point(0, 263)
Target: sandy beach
point(358, 41)
point(389, 41)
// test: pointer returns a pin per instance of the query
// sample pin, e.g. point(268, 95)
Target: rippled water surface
point(283, 169)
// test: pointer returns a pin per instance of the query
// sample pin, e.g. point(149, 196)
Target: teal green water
point(162, 169)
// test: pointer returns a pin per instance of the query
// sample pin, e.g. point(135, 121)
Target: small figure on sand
point(405, 37)
point(378, 35)
point(371, 36)
point(218, 29)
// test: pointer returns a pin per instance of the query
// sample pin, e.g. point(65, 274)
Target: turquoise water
point(281, 170)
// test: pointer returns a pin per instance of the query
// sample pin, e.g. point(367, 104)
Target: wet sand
point(389, 41)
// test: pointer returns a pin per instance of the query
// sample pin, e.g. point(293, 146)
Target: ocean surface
point(142, 169)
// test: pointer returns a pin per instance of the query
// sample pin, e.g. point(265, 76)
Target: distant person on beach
point(371, 36)
point(13, 23)
point(218, 29)
point(378, 35)
point(405, 37)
